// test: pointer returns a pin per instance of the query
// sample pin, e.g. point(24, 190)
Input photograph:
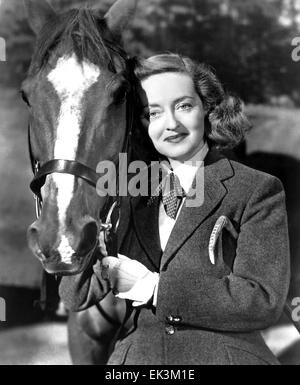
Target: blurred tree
point(245, 41)
point(18, 39)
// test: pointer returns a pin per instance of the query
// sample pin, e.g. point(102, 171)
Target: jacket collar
point(216, 169)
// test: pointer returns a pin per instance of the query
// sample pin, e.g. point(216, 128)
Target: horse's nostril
point(32, 236)
point(33, 242)
point(89, 237)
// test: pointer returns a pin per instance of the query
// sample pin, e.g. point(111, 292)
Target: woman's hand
point(130, 279)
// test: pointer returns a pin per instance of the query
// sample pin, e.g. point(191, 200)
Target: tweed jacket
point(207, 313)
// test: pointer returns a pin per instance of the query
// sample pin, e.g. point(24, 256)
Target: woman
point(202, 276)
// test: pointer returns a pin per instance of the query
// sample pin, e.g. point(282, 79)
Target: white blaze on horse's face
point(71, 81)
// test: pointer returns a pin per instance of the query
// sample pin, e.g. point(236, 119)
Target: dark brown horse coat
point(206, 313)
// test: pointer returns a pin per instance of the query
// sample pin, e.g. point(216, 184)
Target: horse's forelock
point(81, 31)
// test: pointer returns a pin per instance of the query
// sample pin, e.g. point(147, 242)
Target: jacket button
point(170, 319)
point(177, 320)
point(170, 330)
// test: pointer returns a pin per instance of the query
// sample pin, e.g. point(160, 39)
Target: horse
point(77, 91)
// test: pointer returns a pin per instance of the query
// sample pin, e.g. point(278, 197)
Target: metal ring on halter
point(38, 206)
point(107, 225)
point(38, 202)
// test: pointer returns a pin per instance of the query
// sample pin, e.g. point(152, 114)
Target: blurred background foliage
point(247, 42)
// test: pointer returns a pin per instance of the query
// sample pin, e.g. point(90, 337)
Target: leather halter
point(65, 167)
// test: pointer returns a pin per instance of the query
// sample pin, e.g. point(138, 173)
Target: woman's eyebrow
point(182, 98)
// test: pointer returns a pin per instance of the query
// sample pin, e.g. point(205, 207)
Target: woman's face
point(175, 115)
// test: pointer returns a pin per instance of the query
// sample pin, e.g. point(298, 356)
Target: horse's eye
point(119, 94)
point(25, 98)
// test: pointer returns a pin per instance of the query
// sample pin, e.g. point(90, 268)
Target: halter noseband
point(65, 167)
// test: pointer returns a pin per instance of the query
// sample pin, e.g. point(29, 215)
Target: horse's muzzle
point(64, 252)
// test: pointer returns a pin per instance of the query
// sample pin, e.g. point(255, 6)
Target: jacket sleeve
point(252, 296)
point(84, 290)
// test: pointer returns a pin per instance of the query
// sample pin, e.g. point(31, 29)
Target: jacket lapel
point(216, 169)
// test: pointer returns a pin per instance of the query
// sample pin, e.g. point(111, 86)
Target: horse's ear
point(119, 15)
point(38, 13)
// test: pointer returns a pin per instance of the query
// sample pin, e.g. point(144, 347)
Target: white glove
point(130, 279)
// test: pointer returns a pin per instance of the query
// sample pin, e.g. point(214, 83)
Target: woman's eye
point(150, 115)
point(153, 115)
point(185, 106)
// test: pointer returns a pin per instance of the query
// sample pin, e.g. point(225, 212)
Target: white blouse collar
point(186, 171)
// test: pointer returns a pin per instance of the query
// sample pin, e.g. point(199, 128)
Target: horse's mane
point(81, 31)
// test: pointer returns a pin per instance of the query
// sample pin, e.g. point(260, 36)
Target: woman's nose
point(171, 121)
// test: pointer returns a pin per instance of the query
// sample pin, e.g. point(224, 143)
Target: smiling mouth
point(175, 138)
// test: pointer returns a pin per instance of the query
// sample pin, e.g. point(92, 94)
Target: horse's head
point(76, 93)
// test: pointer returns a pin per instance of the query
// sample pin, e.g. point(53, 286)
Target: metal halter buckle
point(107, 225)
point(38, 202)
